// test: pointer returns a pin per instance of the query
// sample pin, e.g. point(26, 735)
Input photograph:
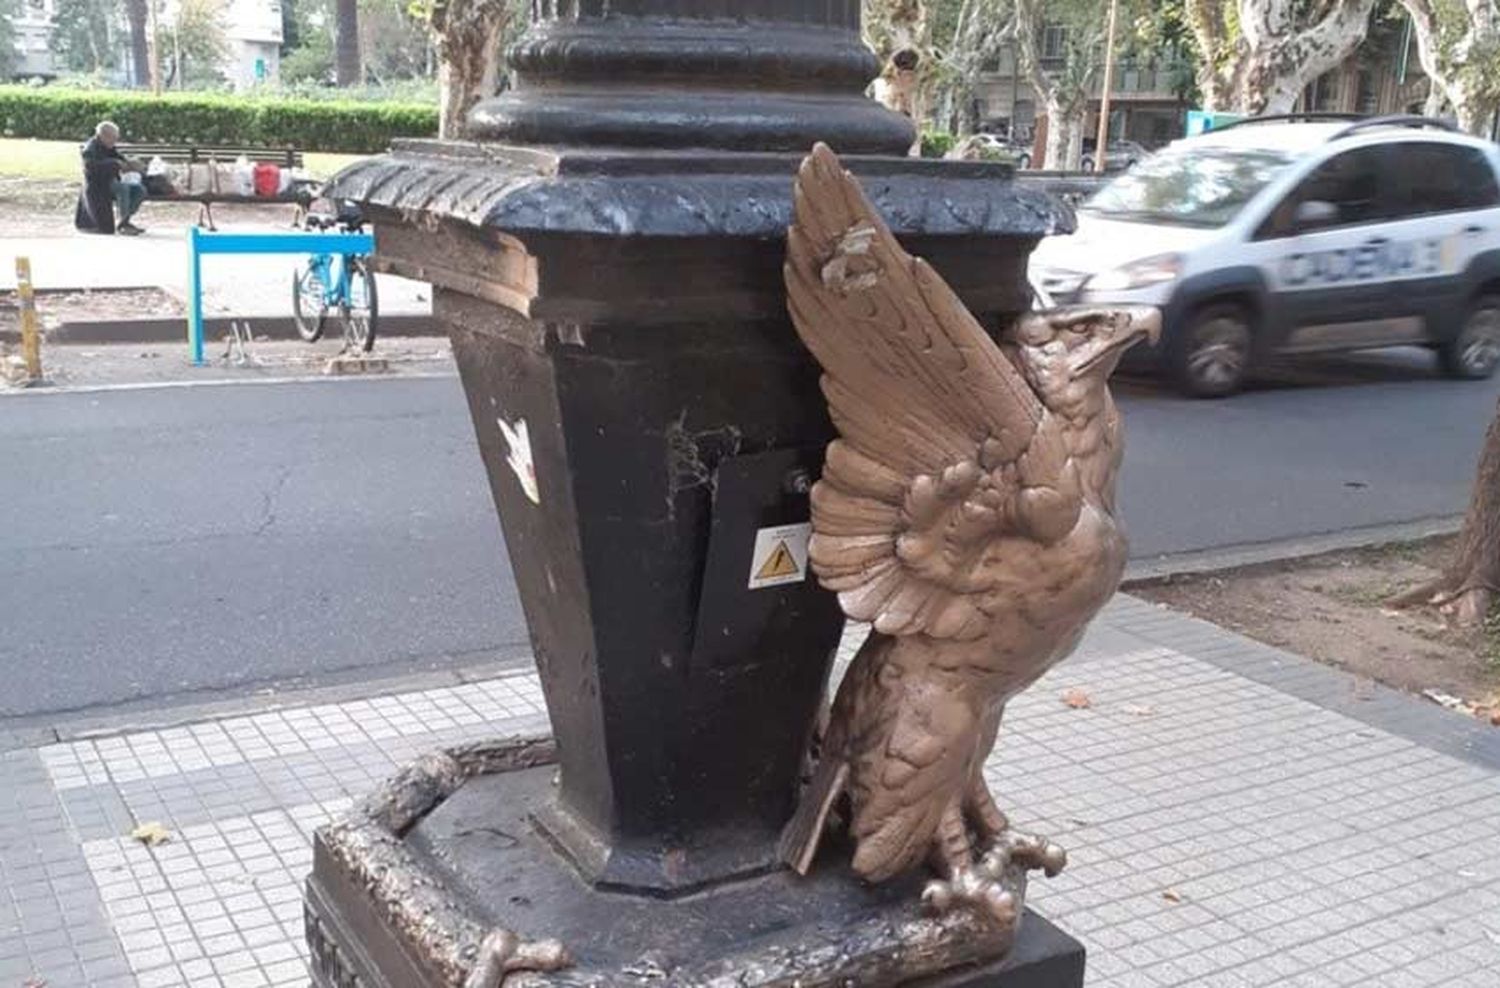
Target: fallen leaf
point(34, 983)
point(1140, 710)
point(1077, 699)
point(151, 834)
point(1172, 895)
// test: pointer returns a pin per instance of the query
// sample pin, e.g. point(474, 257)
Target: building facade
point(253, 30)
point(1151, 96)
point(252, 35)
point(32, 24)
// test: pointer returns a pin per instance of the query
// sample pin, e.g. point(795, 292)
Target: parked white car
point(1291, 235)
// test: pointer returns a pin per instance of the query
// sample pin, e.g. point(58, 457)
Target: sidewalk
point(241, 286)
point(1235, 816)
point(105, 366)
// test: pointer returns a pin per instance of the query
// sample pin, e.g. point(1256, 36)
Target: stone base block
point(445, 878)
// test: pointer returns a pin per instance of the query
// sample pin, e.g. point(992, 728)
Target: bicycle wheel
point(309, 303)
point(361, 308)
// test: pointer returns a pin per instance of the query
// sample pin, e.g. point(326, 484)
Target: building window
point(1054, 41)
point(1369, 97)
point(1322, 94)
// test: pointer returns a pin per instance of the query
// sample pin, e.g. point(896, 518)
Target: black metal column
point(607, 258)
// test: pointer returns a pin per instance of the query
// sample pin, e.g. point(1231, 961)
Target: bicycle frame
point(335, 284)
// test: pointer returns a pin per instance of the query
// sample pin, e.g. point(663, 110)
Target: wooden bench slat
point(191, 154)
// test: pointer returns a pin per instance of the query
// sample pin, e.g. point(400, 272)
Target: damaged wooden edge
point(446, 935)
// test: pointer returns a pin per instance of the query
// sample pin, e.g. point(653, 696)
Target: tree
point(138, 14)
point(346, 43)
point(899, 33)
point(978, 30)
point(469, 36)
point(392, 45)
point(1078, 27)
point(199, 45)
point(1256, 56)
point(1458, 44)
point(8, 54)
point(81, 33)
point(1468, 588)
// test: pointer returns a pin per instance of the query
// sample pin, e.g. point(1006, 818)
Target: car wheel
point(1087, 164)
point(1214, 354)
point(1023, 162)
point(1475, 352)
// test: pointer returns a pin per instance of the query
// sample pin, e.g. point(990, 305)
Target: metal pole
point(31, 337)
point(195, 297)
point(1101, 142)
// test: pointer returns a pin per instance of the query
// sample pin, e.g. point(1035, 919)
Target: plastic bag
point(244, 177)
point(267, 179)
point(156, 166)
point(202, 177)
point(131, 178)
point(227, 180)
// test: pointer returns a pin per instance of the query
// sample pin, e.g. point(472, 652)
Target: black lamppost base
point(405, 891)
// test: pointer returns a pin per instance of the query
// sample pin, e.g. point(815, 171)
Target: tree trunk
point(1466, 590)
point(468, 47)
point(1281, 53)
point(1455, 54)
point(346, 69)
point(1057, 139)
point(1436, 101)
point(1209, 23)
point(1267, 88)
point(898, 31)
point(1073, 123)
point(140, 52)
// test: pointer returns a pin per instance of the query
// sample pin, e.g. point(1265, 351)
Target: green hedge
point(188, 118)
point(936, 143)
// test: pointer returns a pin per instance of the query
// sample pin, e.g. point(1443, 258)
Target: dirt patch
point(56, 308)
point(1332, 608)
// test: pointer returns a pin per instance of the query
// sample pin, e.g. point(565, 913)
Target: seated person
point(105, 187)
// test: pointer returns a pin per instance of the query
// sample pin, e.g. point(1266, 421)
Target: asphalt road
point(159, 542)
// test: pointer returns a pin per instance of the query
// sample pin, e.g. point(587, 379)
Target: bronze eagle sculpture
point(967, 511)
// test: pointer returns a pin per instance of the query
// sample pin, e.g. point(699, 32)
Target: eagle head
point(1067, 355)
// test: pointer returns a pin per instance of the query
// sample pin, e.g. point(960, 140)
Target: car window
point(1349, 182)
point(1428, 177)
point(1199, 187)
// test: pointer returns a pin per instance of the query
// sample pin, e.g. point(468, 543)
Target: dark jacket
point(96, 204)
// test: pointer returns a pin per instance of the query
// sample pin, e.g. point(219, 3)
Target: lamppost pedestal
point(651, 426)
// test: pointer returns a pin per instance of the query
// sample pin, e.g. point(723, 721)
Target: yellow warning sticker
point(780, 556)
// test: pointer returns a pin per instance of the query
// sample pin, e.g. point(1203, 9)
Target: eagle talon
point(1032, 852)
point(974, 889)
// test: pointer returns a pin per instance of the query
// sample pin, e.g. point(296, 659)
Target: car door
point(1315, 251)
point(1445, 207)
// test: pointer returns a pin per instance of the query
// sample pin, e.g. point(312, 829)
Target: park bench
point(299, 194)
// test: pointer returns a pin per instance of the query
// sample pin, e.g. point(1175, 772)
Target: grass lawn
point(58, 160)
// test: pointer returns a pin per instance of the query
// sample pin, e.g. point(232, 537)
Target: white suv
point(1296, 235)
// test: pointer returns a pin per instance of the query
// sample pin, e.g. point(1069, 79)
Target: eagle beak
point(1117, 331)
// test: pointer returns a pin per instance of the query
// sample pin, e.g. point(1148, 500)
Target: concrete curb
point(173, 329)
point(1141, 571)
point(176, 710)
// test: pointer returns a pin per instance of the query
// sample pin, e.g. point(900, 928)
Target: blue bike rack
point(201, 242)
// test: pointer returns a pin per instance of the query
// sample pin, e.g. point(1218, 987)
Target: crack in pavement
point(268, 500)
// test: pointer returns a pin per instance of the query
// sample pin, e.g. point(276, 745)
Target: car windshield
point(1199, 187)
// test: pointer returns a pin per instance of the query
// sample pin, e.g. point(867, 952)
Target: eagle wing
point(944, 449)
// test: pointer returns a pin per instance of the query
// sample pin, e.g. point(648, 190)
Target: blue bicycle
point(341, 283)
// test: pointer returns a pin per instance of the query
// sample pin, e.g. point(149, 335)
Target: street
point(167, 543)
